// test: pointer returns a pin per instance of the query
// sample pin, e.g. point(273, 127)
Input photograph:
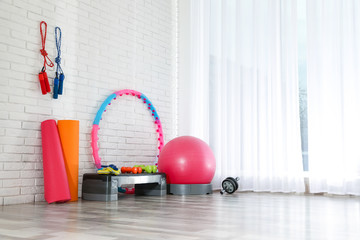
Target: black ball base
point(189, 189)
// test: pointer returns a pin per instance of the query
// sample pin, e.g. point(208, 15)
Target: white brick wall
point(107, 45)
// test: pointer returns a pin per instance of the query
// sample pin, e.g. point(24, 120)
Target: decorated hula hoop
point(95, 129)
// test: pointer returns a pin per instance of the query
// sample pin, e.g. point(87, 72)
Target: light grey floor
point(237, 216)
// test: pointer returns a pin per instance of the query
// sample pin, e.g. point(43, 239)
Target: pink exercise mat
point(56, 185)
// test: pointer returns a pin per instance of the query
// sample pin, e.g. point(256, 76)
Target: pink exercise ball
point(187, 160)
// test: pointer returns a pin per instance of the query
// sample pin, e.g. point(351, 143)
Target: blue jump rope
point(59, 78)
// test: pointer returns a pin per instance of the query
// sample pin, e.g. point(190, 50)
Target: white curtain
point(333, 30)
point(242, 91)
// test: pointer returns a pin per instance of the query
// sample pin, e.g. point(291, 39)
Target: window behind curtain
point(301, 10)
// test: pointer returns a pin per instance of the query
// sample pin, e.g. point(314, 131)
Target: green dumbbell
point(148, 169)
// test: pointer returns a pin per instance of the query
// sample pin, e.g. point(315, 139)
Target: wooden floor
point(237, 216)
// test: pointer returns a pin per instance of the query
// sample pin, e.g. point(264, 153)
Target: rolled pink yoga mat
point(56, 186)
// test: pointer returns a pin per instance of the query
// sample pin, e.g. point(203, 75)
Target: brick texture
point(107, 45)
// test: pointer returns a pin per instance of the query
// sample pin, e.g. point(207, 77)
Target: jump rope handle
point(44, 82)
point(56, 87)
point(61, 83)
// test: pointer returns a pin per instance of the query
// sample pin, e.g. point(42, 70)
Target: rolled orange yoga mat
point(69, 136)
point(56, 187)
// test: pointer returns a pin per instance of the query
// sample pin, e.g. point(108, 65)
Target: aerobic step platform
point(99, 187)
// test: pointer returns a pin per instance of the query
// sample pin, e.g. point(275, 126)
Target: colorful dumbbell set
point(112, 169)
point(139, 169)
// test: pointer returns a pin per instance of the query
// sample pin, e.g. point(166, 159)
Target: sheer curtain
point(333, 32)
point(241, 95)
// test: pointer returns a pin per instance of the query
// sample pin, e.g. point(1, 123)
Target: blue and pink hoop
point(98, 117)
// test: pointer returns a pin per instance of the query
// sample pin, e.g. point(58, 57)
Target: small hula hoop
point(98, 117)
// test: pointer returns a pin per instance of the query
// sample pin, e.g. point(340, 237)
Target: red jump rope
point(43, 78)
